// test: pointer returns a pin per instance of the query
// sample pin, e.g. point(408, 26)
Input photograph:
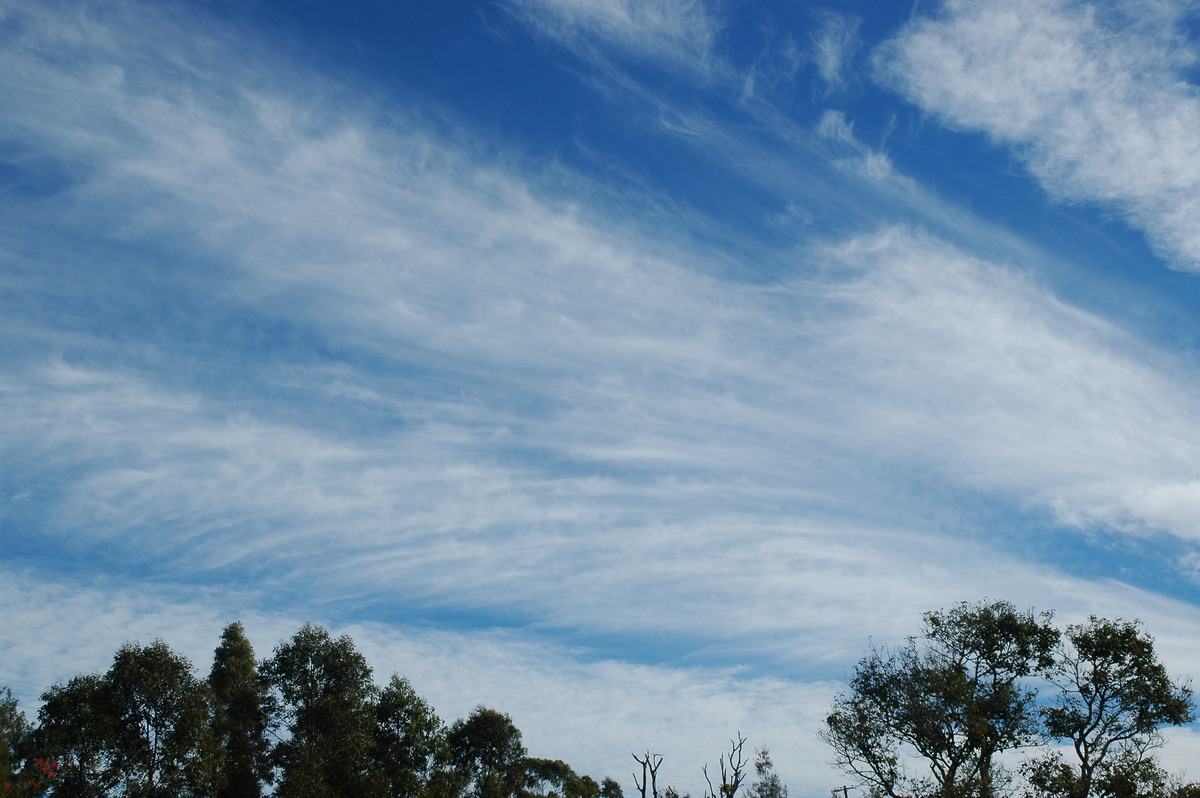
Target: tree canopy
point(929, 719)
point(1083, 708)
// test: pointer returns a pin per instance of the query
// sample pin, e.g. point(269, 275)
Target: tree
point(14, 737)
point(1130, 774)
point(488, 754)
point(588, 788)
point(955, 697)
point(409, 752)
point(650, 764)
point(325, 694)
point(1114, 697)
point(768, 784)
point(241, 717)
point(611, 788)
point(142, 729)
point(161, 723)
point(75, 729)
point(733, 771)
point(21, 772)
point(554, 778)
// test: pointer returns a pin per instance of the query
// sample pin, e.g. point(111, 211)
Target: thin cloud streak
point(678, 34)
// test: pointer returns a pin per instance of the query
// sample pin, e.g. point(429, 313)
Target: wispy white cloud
point(676, 33)
point(1093, 96)
point(681, 404)
point(1020, 392)
point(834, 44)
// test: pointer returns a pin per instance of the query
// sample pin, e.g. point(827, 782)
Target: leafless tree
point(733, 771)
point(650, 764)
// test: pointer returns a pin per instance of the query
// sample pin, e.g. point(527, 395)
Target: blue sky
point(625, 366)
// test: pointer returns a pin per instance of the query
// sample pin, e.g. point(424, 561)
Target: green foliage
point(487, 752)
point(967, 690)
point(148, 728)
point(1114, 696)
point(241, 718)
point(22, 773)
point(611, 788)
point(955, 697)
point(76, 729)
point(14, 738)
point(767, 783)
point(325, 697)
point(1048, 776)
point(1129, 774)
point(410, 753)
point(142, 729)
point(554, 778)
point(162, 743)
point(984, 651)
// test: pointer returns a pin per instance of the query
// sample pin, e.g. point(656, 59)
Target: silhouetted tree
point(956, 698)
point(325, 697)
point(143, 729)
point(487, 752)
point(1114, 697)
point(733, 771)
point(650, 764)
point(611, 788)
point(241, 719)
point(410, 754)
point(162, 733)
point(20, 769)
point(75, 729)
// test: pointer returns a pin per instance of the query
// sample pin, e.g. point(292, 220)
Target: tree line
point(944, 715)
point(307, 722)
point(988, 701)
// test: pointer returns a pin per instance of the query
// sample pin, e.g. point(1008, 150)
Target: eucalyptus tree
point(1114, 697)
point(19, 766)
point(326, 703)
point(410, 752)
point(160, 723)
point(767, 783)
point(75, 729)
point(611, 788)
point(142, 729)
point(488, 753)
point(955, 697)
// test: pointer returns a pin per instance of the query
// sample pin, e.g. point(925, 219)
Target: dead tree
point(650, 764)
point(733, 771)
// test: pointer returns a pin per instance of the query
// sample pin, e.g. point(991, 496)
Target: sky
point(631, 367)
